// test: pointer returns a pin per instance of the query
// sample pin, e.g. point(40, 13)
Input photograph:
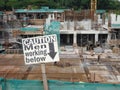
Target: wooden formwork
point(13, 51)
point(114, 42)
point(17, 33)
point(78, 15)
point(37, 21)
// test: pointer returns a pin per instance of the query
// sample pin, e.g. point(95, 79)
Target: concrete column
point(109, 37)
point(53, 17)
point(68, 39)
point(96, 38)
point(103, 19)
point(34, 16)
point(75, 39)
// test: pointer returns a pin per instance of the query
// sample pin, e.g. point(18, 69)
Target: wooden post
point(94, 77)
point(44, 77)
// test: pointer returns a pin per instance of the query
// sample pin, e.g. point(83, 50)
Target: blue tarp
point(29, 29)
point(115, 25)
point(1, 13)
point(54, 85)
point(42, 10)
point(100, 11)
point(53, 28)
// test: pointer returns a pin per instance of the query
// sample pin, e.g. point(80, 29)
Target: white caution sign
point(41, 49)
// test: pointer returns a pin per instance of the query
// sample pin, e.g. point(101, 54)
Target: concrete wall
point(115, 19)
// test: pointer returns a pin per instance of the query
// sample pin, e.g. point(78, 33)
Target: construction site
point(89, 47)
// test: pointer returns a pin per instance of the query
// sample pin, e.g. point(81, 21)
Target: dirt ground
point(12, 66)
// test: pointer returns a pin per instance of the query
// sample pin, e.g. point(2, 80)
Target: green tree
point(108, 4)
point(3, 5)
point(76, 4)
point(12, 3)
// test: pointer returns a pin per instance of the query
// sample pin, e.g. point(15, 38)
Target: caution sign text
point(40, 49)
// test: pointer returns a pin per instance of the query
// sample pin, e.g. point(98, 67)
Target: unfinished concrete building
point(78, 28)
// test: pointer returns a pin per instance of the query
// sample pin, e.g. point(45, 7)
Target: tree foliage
point(75, 4)
point(108, 4)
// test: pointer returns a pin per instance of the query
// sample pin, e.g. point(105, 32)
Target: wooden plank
point(44, 77)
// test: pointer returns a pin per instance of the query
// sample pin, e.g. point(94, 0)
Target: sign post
point(41, 49)
point(44, 77)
